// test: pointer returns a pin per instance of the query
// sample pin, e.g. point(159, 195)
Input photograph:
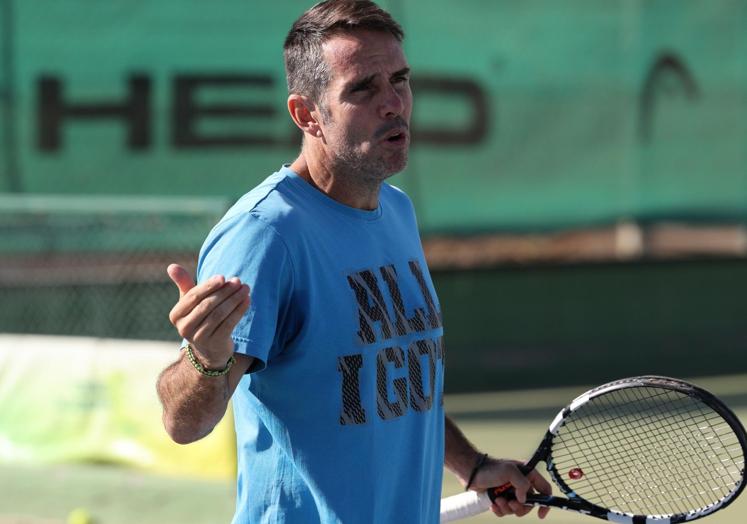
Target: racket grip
point(464, 505)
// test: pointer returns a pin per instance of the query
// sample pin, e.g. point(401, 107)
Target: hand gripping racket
point(642, 450)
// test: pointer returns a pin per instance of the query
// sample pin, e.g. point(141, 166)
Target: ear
point(304, 114)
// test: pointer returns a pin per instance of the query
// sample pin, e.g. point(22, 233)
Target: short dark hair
point(306, 71)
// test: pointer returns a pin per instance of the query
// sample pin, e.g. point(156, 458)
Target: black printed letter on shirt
point(352, 408)
point(434, 319)
point(371, 307)
point(389, 410)
point(403, 324)
point(419, 401)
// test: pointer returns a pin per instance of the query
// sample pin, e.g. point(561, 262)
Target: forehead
point(363, 53)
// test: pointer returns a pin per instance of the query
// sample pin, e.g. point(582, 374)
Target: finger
point(214, 324)
point(181, 278)
point(226, 327)
point(500, 507)
point(539, 482)
point(520, 483)
point(519, 509)
point(195, 296)
point(543, 511)
point(194, 308)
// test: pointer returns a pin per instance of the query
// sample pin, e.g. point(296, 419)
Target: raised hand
point(207, 313)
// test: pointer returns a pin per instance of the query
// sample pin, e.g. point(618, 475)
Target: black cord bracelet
point(477, 467)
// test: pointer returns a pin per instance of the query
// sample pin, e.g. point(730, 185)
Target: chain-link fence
point(96, 266)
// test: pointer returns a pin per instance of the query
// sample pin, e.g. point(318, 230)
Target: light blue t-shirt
point(341, 419)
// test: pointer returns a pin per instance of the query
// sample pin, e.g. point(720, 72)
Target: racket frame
point(574, 502)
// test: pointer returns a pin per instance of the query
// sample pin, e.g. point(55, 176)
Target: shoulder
point(396, 203)
point(269, 201)
point(394, 196)
point(273, 205)
point(253, 226)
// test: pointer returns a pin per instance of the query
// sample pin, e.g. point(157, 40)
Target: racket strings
point(672, 438)
point(644, 475)
point(649, 451)
point(656, 460)
point(669, 433)
point(664, 464)
point(648, 484)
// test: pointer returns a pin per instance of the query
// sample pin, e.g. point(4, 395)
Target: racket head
point(646, 447)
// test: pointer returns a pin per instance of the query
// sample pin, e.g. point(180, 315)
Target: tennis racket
point(641, 450)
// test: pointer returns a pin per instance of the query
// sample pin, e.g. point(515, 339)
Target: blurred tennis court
point(508, 423)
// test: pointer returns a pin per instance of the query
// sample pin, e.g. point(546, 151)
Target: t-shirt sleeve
point(247, 247)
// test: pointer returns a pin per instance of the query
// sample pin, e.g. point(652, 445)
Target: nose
point(393, 103)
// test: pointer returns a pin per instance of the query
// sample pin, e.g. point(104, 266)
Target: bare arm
point(193, 404)
point(461, 457)
point(205, 315)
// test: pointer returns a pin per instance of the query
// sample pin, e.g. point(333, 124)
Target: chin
point(398, 166)
point(378, 168)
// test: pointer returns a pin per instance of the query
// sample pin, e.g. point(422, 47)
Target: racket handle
point(467, 504)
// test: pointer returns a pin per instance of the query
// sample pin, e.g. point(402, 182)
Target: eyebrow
point(362, 83)
point(366, 81)
point(405, 71)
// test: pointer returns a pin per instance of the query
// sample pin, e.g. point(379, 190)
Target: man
point(335, 365)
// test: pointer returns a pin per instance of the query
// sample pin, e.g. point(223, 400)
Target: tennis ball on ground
point(80, 516)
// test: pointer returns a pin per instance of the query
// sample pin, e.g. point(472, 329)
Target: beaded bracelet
point(477, 467)
point(207, 372)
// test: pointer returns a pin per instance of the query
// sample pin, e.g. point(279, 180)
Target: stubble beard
point(351, 162)
point(373, 166)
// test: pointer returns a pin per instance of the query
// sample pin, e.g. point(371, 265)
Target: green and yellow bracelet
point(207, 372)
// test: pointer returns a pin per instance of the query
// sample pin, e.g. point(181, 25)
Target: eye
point(362, 86)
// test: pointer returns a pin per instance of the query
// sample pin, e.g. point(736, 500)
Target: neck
point(351, 189)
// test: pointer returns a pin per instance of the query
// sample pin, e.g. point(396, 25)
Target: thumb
point(181, 278)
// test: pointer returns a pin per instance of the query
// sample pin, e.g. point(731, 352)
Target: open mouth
point(397, 137)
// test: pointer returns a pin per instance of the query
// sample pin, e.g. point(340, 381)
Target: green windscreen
point(528, 115)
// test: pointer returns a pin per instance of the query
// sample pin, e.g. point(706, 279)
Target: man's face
point(367, 105)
